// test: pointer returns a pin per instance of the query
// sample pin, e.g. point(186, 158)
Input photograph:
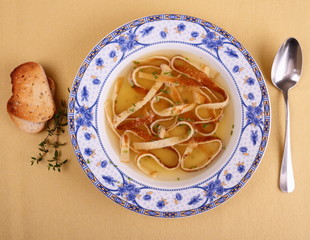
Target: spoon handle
point(287, 183)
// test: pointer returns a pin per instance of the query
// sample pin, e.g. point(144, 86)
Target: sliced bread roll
point(32, 98)
point(33, 127)
point(28, 126)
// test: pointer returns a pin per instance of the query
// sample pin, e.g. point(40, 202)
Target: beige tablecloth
point(40, 204)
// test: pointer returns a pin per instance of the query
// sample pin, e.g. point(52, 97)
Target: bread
point(32, 98)
point(25, 125)
point(33, 127)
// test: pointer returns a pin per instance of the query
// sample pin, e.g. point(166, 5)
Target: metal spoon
point(285, 73)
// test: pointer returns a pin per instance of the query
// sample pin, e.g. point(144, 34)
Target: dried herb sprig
point(51, 142)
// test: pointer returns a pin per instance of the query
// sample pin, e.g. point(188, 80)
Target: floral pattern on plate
point(93, 156)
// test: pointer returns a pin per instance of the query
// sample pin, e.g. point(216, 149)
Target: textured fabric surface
point(37, 204)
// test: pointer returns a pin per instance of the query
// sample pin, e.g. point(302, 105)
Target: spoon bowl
point(287, 65)
point(285, 73)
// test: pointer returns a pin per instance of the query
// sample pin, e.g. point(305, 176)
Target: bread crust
point(33, 127)
point(52, 86)
point(32, 98)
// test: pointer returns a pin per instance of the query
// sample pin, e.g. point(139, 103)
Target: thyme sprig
point(50, 143)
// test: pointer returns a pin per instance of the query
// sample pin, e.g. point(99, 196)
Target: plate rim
point(166, 214)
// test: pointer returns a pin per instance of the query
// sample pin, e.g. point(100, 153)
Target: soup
point(168, 113)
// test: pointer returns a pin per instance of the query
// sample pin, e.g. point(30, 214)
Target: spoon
point(285, 73)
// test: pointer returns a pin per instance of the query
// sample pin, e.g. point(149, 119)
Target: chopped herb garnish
point(178, 179)
point(233, 126)
point(131, 109)
point(193, 167)
point(141, 70)
point(125, 151)
point(223, 148)
point(168, 73)
point(155, 74)
point(134, 105)
point(88, 161)
point(205, 125)
point(187, 59)
point(166, 90)
point(231, 132)
point(157, 125)
point(136, 62)
point(176, 83)
point(177, 103)
point(185, 119)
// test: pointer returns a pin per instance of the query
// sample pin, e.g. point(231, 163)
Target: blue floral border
point(265, 102)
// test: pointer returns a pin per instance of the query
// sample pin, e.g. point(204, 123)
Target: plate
point(95, 147)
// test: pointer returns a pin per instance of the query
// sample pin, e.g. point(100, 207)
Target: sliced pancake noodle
point(183, 66)
point(126, 140)
point(207, 70)
point(200, 152)
point(129, 137)
point(125, 145)
point(202, 128)
point(162, 123)
point(151, 93)
point(206, 128)
point(202, 111)
point(153, 61)
point(123, 115)
point(159, 106)
point(181, 132)
point(134, 130)
point(166, 113)
point(152, 161)
point(174, 94)
point(180, 80)
point(144, 83)
point(149, 65)
point(132, 123)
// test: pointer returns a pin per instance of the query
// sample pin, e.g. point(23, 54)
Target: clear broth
point(224, 130)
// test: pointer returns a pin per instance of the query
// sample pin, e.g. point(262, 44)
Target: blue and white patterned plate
point(93, 143)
